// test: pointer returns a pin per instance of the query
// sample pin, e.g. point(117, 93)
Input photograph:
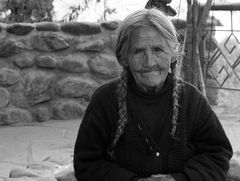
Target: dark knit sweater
point(201, 151)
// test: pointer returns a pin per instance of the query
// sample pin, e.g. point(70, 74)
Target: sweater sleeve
point(212, 147)
point(94, 137)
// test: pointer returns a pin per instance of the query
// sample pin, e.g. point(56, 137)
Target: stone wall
point(50, 70)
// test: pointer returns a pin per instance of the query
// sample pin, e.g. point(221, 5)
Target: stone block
point(15, 115)
point(81, 28)
point(19, 28)
point(94, 46)
point(110, 25)
point(20, 172)
point(4, 97)
point(104, 66)
point(41, 114)
point(24, 61)
point(60, 159)
point(16, 88)
point(29, 175)
point(113, 41)
point(3, 118)
point(46, 179)
point(21, 179)
point(10, 47)
point(67, 109)
point(46, 61)
point(43, 168)
point(18, 99)
point(38, 86)
point(9, 76)
point(75, 87)
point(66, 175)
point(47, 26)
point(74, 64)
point(48, 43)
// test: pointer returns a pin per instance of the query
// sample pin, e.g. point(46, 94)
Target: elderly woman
point(149, 125)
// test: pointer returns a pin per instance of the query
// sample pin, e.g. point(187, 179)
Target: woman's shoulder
point(191, 96)
point(105, 95)
point(191, 90)
point(106, 90)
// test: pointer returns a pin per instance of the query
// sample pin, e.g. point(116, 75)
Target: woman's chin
point(151, 85)
point(150, 80)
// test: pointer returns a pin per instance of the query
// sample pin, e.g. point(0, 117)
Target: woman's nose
point(149, 59)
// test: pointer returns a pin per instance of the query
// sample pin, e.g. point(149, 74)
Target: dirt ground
point(22, 144)
point(228, 112)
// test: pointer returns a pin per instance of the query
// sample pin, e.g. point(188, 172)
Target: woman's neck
point(149, 89)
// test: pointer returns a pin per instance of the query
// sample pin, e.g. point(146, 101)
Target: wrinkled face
point(149, 57)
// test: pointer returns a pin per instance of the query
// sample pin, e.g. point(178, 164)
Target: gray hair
point(143, 18)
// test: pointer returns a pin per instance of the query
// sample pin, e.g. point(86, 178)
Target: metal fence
point(220, 48)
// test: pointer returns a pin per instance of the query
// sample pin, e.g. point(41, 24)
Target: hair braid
point(122, 107)
point(175, 97)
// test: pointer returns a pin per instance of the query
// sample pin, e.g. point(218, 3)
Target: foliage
point(84, 5)
point(27, 10)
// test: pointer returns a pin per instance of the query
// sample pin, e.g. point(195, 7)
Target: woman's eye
point(157, 49)
point(138, 51)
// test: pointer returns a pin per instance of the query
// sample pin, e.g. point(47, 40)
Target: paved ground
point(20, 145)
point(228, 111)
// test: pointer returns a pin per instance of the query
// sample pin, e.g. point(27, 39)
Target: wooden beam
point(224, 6)
point(194, 42)
point(204, 15)
point(201, 23)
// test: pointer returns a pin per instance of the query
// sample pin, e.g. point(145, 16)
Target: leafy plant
point(83, 5)
point(27, 10)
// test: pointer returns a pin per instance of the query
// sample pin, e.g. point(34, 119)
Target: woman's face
point(149, 58)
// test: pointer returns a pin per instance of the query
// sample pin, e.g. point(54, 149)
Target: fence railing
point(220, 48)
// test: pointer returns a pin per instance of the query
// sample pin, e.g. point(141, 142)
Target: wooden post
point(195, 53)
point(187, 67)
point(201, 25)
point(191, 64)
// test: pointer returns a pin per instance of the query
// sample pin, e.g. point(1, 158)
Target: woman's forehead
point(146, 31)
point(146, 35)
point(149, 35)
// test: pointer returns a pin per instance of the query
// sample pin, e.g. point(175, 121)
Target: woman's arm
point(91, 162)
point(90, 157)
point(213, 149)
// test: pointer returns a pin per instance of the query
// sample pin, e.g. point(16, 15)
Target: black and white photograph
point(119, 90)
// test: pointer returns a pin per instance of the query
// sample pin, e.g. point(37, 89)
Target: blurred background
point(80, 10)
point(46, 137)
